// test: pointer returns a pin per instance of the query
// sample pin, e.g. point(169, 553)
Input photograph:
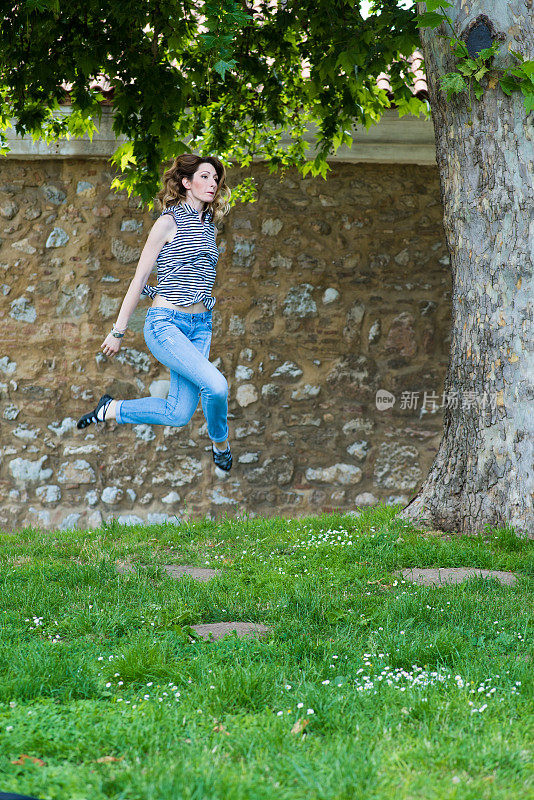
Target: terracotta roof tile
point(419, 85)
point(100, 83)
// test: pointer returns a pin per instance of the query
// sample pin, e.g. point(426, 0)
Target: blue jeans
point(181, 341)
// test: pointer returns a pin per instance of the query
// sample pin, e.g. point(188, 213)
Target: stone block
point(330, 295)
point(134, 358)
point(108, 306)
point(287, 370)
point(171, 498)
point(401, 335)
point(243, 252)
point(178, 472)
point(246, 394)
point(270, 391)
point(397, 466)
point(74, 302)
point(365, 499)
point(123, 252)
point(64, 427)
point(57, 238)
point(144, 432)
point(337, 473)
point(306, 392)
point(243, 373)
point(76, 473)
point(358, 449)
point(271, 227)
point(11, 412)
point(24, 471)
point(31, 212)
point(111, 495)
point(130, 519)
point(54, 195)
point(160, 388)
point(299, 302)
point(70, 522)
point(131, 225)
point(85, 189)
point(24, 246)
point(8, 209)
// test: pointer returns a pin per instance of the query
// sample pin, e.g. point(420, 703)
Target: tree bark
point(483, 472)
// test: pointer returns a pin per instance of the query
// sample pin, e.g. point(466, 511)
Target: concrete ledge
point(398, 140)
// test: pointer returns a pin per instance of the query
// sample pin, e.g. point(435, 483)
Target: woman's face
point(204, 183)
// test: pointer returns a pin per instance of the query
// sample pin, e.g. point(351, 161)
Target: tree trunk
point(483, 472)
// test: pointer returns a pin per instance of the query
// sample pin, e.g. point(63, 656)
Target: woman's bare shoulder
point(165, 221)
point(164, 224)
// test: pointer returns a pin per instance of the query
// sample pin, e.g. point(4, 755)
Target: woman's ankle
point(221, 445)
point(110, 411)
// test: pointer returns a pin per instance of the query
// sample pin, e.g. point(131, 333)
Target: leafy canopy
point(218, 77)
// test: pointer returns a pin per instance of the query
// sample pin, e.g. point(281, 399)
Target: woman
point(178, 324)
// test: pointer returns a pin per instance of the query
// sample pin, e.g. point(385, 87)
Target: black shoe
point(223, 459)
point(87, 419)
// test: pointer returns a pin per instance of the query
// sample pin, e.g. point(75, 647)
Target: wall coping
point(398, 140)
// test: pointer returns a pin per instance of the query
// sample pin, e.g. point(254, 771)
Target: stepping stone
point(216, 630)
point(199, 573)
point(124, 567)
point(442, 575)
point(173, 570)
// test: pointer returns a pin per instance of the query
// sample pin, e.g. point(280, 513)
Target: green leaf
point(453, 83)
point(188, 630)
point(528, 68)
point(508, 85)
point(516, 53)
point(465, 69)
point(208, 40)
point(223, 66)
point(459, 48)
point(528, 101)
point(431, 5)
point(429, 20)
point(526, 87)
point(488, 52)
point(123, 155)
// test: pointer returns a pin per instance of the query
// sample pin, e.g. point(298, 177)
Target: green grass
point(402, 691)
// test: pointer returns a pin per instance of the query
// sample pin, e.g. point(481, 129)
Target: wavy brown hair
point(185, 166)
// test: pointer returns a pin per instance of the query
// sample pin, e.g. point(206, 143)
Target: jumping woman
point(178, 324)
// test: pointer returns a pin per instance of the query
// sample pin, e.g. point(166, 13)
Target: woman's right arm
point(160, 233)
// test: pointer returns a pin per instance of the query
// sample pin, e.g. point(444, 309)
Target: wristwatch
point(116, 333)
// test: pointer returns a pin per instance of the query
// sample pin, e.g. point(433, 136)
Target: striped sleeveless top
point(186, 266)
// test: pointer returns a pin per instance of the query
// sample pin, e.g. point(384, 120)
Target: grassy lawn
point(366, 687)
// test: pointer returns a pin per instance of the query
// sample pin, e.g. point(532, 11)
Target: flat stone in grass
point(216, 630)
point(173, 570)
point(124, 567)
point(442, 575)
point(199, 573)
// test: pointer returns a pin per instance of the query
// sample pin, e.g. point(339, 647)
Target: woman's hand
point(162, 231)
point(111, 345)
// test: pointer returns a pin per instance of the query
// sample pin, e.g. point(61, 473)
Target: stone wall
point(327, 291)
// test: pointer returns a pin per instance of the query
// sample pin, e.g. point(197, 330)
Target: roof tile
point(419, 85)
